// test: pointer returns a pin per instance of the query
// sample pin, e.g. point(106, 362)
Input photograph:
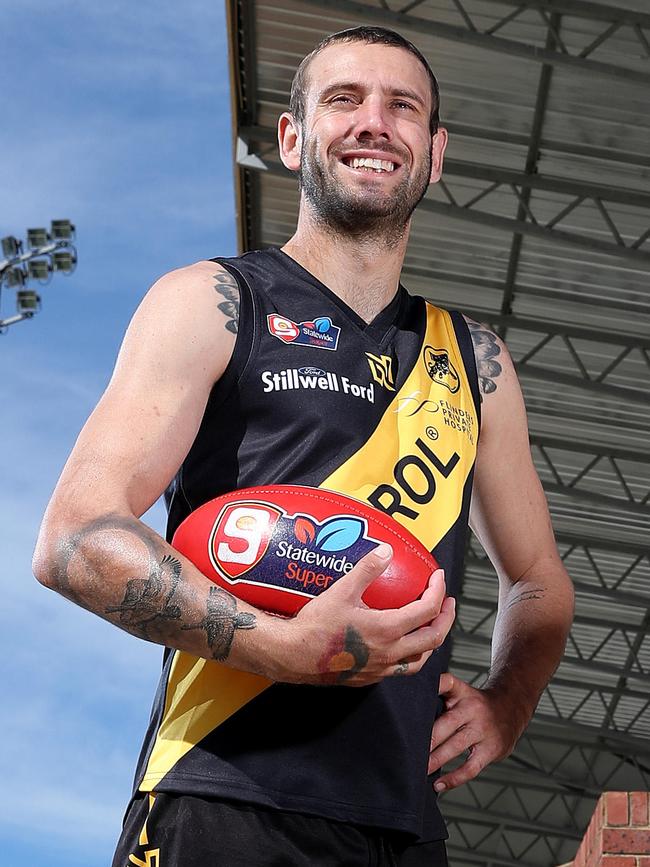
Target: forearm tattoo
point(226, 285)
point(486, 348)
point(346, 656)
point(221, 621)
point(157, 603)
point(527, 596)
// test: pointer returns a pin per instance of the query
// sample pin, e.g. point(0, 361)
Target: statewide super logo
point(320, 332)
point(306, 556)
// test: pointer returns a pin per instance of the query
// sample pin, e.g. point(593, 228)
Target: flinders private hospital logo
point(320, 333)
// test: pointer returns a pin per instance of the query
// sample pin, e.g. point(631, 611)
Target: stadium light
point(28, 302)
point(37, 238)
point(62, 230)
point(16, 277)
point(39, 269)
point(46, 251)
point(10, 247)
point(64, 261)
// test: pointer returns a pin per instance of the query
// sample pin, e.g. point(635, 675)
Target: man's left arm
point(509, 515)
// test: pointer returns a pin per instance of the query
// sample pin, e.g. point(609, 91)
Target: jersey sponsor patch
point(313, 378)
point(320, 332)
point(440, 368)
point(381, 367)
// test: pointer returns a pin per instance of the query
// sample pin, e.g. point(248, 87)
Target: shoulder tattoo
point(486, 350)
point(226, 285)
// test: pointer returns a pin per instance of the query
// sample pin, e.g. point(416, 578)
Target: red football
point(278, 546)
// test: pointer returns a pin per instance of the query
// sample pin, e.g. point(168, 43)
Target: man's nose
point(372, 118)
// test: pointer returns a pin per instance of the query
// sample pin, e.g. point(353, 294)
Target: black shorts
point(163, 830)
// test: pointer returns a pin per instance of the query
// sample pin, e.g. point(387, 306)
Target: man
point(260, 750)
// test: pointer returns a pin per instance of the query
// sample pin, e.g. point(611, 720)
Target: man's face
point(366, 150)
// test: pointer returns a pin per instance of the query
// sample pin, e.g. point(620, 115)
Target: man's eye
point(341, 99)
point(404, 105)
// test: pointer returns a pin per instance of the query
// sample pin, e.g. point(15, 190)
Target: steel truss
point(468, 32)
point(591, 728)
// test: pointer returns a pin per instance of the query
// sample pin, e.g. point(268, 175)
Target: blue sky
point(116, 115)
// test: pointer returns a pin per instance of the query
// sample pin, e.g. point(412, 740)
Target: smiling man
point(313, 365)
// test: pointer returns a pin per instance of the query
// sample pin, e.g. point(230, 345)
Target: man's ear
point(438, 146)
point(289, 141)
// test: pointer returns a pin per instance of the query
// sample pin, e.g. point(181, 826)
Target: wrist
point(513, 700)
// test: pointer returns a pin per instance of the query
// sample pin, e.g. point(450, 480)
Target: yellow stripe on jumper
point(417, 460)
point(201, 694)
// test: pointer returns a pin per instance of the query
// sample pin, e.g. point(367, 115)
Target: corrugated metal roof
point(574, 304)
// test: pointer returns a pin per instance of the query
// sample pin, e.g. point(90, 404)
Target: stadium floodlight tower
point(46, 252)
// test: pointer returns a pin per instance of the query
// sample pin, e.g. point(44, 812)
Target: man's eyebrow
point(355, 87)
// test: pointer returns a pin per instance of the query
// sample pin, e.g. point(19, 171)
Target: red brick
point(618, 861)
point(639, 808)
point(643, 862)
point(617, 811)
point(626, 842)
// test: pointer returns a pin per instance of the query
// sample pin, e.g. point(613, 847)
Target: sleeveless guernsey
point(387, 412)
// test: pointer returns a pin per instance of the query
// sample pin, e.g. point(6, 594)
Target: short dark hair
point(371, 36)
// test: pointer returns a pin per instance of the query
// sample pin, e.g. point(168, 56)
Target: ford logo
point(311, 371)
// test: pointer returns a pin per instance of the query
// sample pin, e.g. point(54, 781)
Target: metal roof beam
point(587, 448)
point(485, 859)
point(611, 595)
point(465, 812)
point(547, 326)
point(532, 158)
point(599, 543)
point(479, 171)
point(614, 503)
point(587, 665)
point(453, 33)
point(565, 186)
point(585, 9)
point(602, 389)
point(629, 158)
point(508, 224)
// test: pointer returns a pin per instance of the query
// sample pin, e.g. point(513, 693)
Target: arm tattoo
point(486, 348)
point(150, 601)
point(226, 285)
point(221, 621)
point(346, 656)
point(527, 595)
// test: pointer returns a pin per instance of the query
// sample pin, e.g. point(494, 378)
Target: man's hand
point(337, 639)
point(480, 721)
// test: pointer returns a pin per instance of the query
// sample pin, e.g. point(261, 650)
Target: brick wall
point(619, 832)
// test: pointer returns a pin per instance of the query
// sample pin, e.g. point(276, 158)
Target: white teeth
point(369, 163)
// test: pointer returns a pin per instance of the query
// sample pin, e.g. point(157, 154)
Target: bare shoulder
point(501, 397)
point(188, 314)
point(490, 353)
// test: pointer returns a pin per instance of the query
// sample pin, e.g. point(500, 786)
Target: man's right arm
point(94, 550)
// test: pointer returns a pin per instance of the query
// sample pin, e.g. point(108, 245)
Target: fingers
point(423, 610)
point(470, 769)
point(364, 573)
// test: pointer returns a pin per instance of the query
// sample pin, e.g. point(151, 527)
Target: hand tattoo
point(226, 285)
point(486, 347)
point(221, 621)
point(346, 656)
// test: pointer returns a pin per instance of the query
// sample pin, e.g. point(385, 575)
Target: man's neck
point(364, 274)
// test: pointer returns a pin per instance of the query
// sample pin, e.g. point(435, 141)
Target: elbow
point(48, 561)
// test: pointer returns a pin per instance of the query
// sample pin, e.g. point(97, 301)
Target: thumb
point(366, 570)
point(447, 682)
